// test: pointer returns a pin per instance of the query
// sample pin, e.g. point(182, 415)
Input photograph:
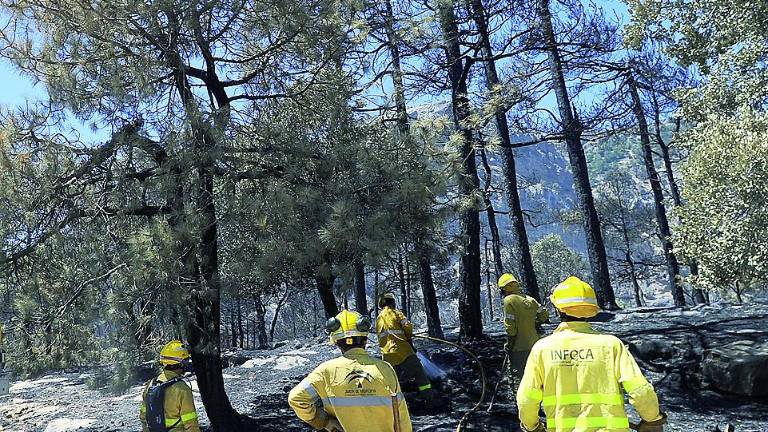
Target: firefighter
point(578, 374)
point(522, 316)
point(395, 333)
point(354, 392)
point(167, 403)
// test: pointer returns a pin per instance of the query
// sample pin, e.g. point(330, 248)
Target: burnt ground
point(669, 344)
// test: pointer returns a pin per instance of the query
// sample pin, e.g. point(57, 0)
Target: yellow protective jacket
point(521, 314)
point(360, 391)
point(578, 375)
point(395, 335)
point(179, 404)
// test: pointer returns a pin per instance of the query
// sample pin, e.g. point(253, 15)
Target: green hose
point(482, 376)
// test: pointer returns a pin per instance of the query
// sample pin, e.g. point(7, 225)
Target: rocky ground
point(709, 365)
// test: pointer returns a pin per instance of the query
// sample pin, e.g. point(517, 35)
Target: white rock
point(260, 361)
point(289, 362)
point(66, 424)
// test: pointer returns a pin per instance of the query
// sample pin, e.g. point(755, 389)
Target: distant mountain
point(544, 179)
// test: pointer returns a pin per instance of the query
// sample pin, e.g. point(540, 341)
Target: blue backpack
point(156, 405)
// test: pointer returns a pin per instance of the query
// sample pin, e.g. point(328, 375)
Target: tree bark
point(674, 190)
point(376, 289)
point(434, 326)
point(204, 325)
point(633, 278)
point(401, 282)
point(572, 129)
point(260, 326)
point(361, 299)
point(422, 252)
point(628, 250)
point(490, 212)
point(470, 312)
point(408, 292)
point(278, 307)
point(488, 282)
point(673, 268)
point(324, 280)
point(240, 320)
point(232, 329)
point(522, 246)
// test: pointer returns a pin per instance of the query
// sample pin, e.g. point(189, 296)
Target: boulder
point(740, 368)
point(652, 349)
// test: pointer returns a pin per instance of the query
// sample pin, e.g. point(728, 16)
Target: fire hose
point(480, 367)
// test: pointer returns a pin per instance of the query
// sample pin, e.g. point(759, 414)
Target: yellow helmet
point(576, 298)
point(348, 324)
point(173, 353)
point(384, 297)
point(509, 283)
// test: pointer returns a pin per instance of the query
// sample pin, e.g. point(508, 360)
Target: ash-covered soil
point(670, 345)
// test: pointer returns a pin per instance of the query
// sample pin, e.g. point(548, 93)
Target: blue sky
point(16, 89)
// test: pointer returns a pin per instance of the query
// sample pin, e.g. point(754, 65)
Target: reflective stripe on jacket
point(180, 412)
point(521, 314)
point(578, 375)
point(357, 390)
point(395, 334)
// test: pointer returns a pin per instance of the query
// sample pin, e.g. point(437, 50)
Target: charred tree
point(361, 300)
point(673, 267)
point(522, 246)
point(240, 321)
point(674, 190)
point(260, 326)
point(572, 130)
point(401, 280)
point(490, 212)
point(324, 279)
point(423, 254)
point(470, 314)
point(278, 308)
point(434, 326)
point(488, 283)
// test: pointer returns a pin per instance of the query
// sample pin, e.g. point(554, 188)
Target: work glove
point(653, 426)
point(333, 426)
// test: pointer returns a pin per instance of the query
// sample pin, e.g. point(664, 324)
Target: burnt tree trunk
point(401, 282)
point(408, 292)
point(490, 212)
point(633, 278)
point(361, 299)
point(522, 246)
point(204, 325)
point(572, 130)
point(488, 282)
point(434, 326)
point(376, 289)
point(422, 252)
point(278, 307)
point(324, 280)
point(674, 190)
point(260, 326)
point(673, 268)
point(240, 321)
point(470, 312)
point(232, 329)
